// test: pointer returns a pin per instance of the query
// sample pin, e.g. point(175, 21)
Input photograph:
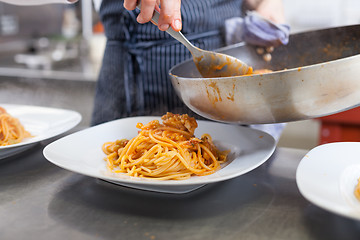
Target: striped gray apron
point(134, 76)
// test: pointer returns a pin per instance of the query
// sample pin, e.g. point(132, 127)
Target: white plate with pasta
point(81, 152)
point(328, 176)
point(39, 123)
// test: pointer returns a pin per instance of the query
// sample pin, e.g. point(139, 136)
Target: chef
point(134, 77)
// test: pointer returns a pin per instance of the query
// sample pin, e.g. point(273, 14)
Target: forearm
point(36, 2)
point(270, 9)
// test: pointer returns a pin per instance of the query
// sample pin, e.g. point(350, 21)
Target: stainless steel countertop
point(39, 200)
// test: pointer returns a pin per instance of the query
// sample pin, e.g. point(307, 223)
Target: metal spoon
point(210, 64)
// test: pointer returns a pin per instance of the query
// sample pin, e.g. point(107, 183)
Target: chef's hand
point(169, 10)
point(272, 10)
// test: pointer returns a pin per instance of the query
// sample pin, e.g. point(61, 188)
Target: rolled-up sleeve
point(36, 2)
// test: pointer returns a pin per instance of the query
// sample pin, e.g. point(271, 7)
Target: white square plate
point(81, 152)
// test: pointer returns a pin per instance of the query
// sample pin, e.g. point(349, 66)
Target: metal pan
point(317, 74)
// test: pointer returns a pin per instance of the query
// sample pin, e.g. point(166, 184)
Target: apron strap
point(134, 65)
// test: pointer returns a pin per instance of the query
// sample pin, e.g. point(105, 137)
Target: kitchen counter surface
point(39, 200)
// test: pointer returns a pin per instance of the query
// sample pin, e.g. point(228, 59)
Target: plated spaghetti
point(357, 190)
point(11, 130)
point(165, 151)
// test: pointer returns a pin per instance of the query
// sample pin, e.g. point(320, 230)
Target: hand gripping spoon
point(210, 64)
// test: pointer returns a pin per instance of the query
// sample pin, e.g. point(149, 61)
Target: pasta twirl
point(11, 130)
point(165, 151)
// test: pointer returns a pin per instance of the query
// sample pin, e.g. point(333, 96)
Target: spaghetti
point(11, 130)
point(165, 151)
point(357, 190)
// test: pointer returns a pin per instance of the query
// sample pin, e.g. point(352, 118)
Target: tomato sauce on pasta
point(11, 130)
point(163, 151)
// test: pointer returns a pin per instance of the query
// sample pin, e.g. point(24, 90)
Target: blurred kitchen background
point(50, 56)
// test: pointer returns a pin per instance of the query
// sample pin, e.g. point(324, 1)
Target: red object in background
point(98, 28)
point(341, 127)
